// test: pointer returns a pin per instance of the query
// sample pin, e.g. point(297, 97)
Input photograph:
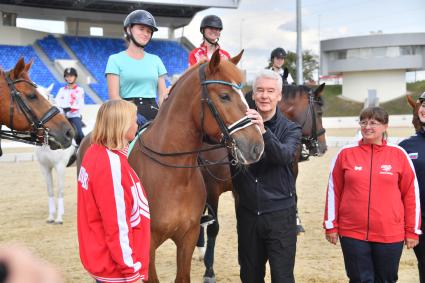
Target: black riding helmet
point(139, 17)
point(278, 52)
point(70, 72)
point(211, 21)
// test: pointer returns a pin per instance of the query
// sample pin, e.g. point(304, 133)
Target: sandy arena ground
point(23, 207)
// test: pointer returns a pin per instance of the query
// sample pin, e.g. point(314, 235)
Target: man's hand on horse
point(256, 119)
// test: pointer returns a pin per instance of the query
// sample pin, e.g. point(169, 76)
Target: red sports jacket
point(113, 218)
point(373, 194)
point(201, 52)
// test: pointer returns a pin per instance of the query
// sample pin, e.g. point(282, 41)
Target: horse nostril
point(257, 149)
point(69, 134)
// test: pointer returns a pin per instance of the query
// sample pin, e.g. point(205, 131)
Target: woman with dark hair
point(277, 60)
point(134, 74)
point(372, 202)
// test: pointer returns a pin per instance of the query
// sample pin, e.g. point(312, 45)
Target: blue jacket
point(269, 184)
point(415, 147)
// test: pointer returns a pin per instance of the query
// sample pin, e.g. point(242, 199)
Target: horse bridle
point(226, 131)
point(311, 142)
point(38, 125)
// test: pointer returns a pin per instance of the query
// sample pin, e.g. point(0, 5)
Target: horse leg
point(212, 232)
point(60, 172)
point(185, 247)
point(47, 173)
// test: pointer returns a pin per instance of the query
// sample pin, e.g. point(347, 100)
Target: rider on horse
point(277, 59)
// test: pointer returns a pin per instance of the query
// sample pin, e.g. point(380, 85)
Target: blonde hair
point(113, 121)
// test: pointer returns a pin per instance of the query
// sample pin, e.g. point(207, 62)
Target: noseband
point(226, 131)
point(310, 143)
point(38, 126)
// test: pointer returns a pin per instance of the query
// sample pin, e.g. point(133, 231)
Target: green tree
point(310, 64)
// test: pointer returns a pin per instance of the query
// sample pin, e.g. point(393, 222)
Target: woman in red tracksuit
point(372, 203)
point(113, 212)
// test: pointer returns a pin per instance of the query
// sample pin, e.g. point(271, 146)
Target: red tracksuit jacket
point(113, 218)
point(373, 194)
point(201, 52)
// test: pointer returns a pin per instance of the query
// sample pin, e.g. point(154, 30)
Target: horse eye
point(32, 96)
point(225, 97)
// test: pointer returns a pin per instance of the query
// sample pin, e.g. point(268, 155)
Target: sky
point(258, 26)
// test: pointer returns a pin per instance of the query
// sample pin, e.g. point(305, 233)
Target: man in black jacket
point(266, 218)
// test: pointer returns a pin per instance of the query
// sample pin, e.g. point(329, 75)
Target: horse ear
point(410, 100)
point(28, 66)
point(318, 91)
point(19, 67)
point(214, 62)
point(49, 89)
point(235, 60)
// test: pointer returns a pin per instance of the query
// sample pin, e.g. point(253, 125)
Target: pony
point(300, 104)
point(29, 116)
point(48, 160)
point(206, 103)
point(415, 106)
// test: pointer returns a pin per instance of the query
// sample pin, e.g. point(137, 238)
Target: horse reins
point(311, 141)
point(37, 125)
point(226, 131)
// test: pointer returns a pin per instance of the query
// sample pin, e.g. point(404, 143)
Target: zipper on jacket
point(257, 196)
point(370, 189)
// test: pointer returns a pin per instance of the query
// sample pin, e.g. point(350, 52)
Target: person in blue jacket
point(266, 210)
point(415, 148)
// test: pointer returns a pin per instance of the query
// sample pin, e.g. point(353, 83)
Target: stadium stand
point(10, 54)
point(52, 48)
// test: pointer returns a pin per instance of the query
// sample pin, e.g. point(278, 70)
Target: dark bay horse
point(300, 104)
point(28, 115)
point(205, 103)
point(415, 106)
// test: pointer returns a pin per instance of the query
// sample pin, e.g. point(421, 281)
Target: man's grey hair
point(268, 74)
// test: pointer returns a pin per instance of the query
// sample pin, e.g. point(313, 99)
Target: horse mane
point(186, 73)
point(292, 91)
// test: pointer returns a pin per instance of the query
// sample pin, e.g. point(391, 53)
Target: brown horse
point(301, 104)
point(205, 103)
point(28, 115)
point(415, 106)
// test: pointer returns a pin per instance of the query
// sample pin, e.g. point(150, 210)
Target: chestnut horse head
point(305, 106)
point(28, 115)
point(415, 106)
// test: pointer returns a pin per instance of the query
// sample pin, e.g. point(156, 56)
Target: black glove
point(67, 109)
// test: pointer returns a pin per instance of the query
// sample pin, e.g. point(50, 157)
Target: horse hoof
point(50, 221)
point(300, 230)
point(209, 280)
point(59, 222)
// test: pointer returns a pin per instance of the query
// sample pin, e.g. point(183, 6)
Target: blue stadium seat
point(52, 48)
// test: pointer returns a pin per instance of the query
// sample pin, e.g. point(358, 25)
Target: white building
point(377, 62)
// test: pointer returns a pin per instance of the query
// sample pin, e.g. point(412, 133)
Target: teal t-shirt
point(138, 78)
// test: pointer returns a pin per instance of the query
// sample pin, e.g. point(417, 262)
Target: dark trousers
point(371, 262)
point(78, 126)
point(420, 255)
point(271, 236)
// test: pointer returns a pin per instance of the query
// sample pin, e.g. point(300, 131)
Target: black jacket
point(269, 184)
point(415, 147)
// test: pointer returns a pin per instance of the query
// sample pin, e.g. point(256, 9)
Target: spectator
point(372, 203)
point(113, 212)
point(277, 60)
point(415, 148)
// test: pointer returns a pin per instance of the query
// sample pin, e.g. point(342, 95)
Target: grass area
point(335, 106)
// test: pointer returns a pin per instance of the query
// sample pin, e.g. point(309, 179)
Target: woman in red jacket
point(113, 212)
point(372, 203)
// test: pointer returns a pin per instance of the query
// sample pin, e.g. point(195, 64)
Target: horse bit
point(226, 131)
point(37, 125)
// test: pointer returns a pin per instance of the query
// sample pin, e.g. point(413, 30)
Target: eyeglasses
point(372, 124)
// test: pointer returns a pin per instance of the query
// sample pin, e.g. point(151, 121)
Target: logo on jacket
point(83, 178)
point(358, 168)
point(414, 155)
point(386, 169)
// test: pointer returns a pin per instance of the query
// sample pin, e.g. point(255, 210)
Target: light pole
point(299, 62)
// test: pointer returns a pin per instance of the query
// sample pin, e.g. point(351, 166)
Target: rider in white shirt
point(277, 59)
point(70, 99)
